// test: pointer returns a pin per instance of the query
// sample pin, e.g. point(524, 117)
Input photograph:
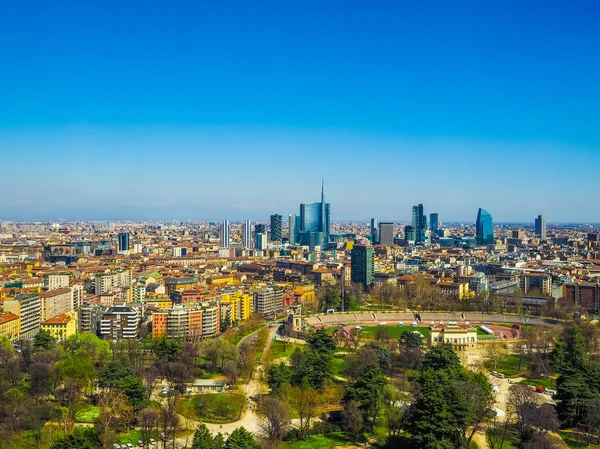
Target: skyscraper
point(374, 231)
point(419, 224)
point(540, 228)
point(314, 223)
point(123, 241)
point(484, 228)
point(386, 233)
point(294, 226)
point(261, 241)
point(434, 223)
point(259, 228)
point(225, 234)
point(362, 264)
point(247, 234)
point(276, 226)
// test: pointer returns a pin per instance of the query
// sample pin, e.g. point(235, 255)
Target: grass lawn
point(575, 441)
point(548, 383)
point(320, 441)
point(217, 408)
point(395, 331)
point(509, 366)
point(131, 437)
point(337, 365)
point(280, 349)
point(88, 414)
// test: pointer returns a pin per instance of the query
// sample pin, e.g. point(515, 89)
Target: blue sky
point(212, 110)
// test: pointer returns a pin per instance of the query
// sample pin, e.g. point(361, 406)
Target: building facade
point(484, 228)
point(540, 228)
point(225, 230)
point(362, 264)
point(276, 228)
point(28, 308)
point(119, 323)
point(386, 233)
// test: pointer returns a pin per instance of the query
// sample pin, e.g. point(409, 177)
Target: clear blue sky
point(212, 110)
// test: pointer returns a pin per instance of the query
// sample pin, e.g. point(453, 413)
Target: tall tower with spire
point(314, 222)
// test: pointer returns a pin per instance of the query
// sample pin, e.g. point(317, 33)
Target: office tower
point(225, 234)
point(123, 241)
point(294, 225)
point(247, 234)
point(261, 241)
point(408, 234)
point(314, 222)
point(434, 223)
point(374, 231)
point(540, 228)
point(419, 223)
point(386, 233)
point(484, 228)
point(362, 264)
point(276, 227)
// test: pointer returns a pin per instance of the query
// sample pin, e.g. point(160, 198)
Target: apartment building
point(105, 282)
point(55, 302)
point(119, 323)
point(10, 326)
point(56, 281)
point(268, 301)
point(178, 322)
point(61, 326)
point(28, 307)
point(536, 281)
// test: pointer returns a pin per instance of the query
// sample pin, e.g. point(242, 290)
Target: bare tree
point(304, 400)
point(523, 400)
point(147, 421)
point(115, 415)
point(275, 423)
point(230, 372)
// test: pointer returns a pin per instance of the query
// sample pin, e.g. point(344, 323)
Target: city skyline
point(130, 124)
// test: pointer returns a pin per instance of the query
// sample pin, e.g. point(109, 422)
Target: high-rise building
point(261, 241)
point(374, 231)
point(276, 228)
point(123, 241)
point(434, 223)
point(484, 228)
point(362, 264)
point(267, 301)
point(314, 223)
point(409, 233)
point(386, 233)
point(419, 223)
point(225, 234)
point(294, 226)
point(247, 234)
point(540, 228)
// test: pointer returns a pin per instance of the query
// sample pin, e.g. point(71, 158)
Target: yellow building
point(10, 326)
point(241, 305)
point(163, 302)
point(308, 290)
point(61, 326)
point(461, 336)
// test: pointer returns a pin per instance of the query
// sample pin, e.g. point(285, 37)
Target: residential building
point(268, 301)
point(55, 302)
point(211, 319)
point(247, 234)
point(276, 228)
point(540, 228)
point(61, 326)
point(419, 224)
point(76, 296)
point(362, 264)
point(105, 282)
point(10, 326)
point(177, 322)
point(119, 323)
point(89, 316)
point(55, 281)
point(225, 234)
point(478, 282)
point(584, 297)
point(386, 233)
point(484, 228)
point(536, 281)
point(28, 307)
point(240, 305)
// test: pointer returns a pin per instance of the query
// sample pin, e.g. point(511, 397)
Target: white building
point(247, 234)
point(225, 234)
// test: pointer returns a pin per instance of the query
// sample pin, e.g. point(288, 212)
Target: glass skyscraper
point(276, 226)
point(314, 223)
point(484, 228)
point(540, 228)
point(362, 265)
point(123, 241)
point(434, 223)
point(419, 224)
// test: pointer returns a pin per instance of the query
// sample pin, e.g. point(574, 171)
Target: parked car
point(400, 324)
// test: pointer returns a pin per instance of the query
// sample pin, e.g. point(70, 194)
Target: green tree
point(43, 341)
point(166, 350)
point(277, 376)
point(353, 419)
point(202, 438)
point(94, 347)
point(113, 374)
point(366, 391)
point(412, 339)
point(134, 389)
point(311, 366)
point(81, 438)
point(321, 341)
point(240, 438)
point(331, 299)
